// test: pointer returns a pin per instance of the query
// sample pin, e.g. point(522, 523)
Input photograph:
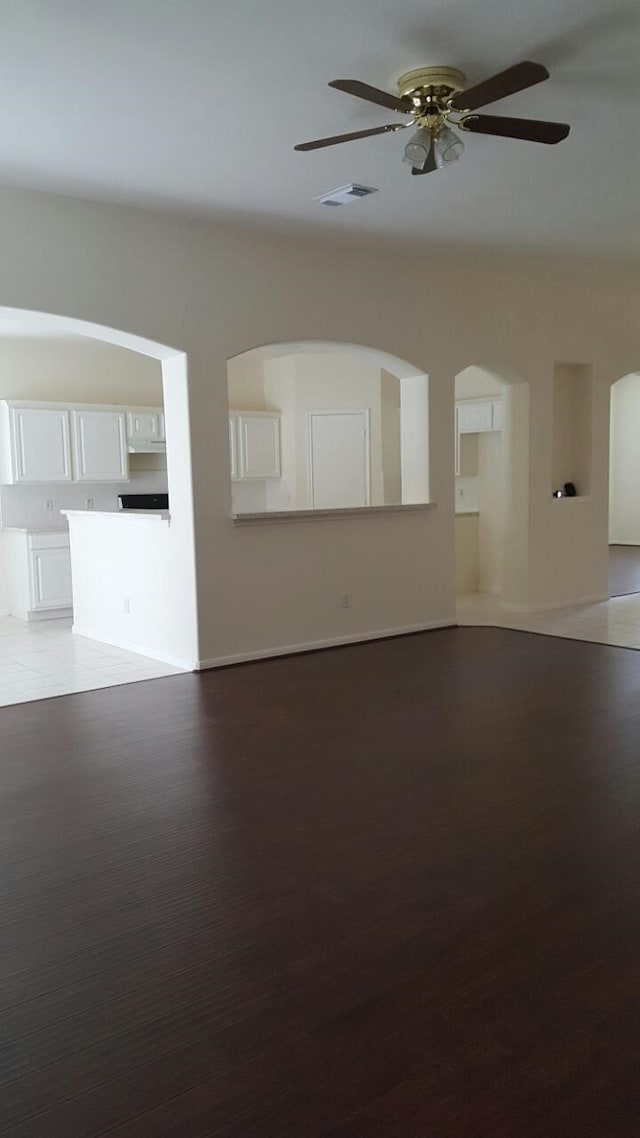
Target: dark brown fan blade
point(531, 130)
point(373, 95)
point(516, 78)
point(320, 142)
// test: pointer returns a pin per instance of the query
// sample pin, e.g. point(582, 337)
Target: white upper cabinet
point(36, 445)
point(475, 416)
point(259, 445)
point(145, 424)
point(100, 446)
point(472, 417)
point(233, 447)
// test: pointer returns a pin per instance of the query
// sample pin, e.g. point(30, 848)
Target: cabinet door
point(100, 446)
point(50, 579)
point(41, 445)
point(147, 425)
point(475, 416)
point(233, 447)
point(259, 438)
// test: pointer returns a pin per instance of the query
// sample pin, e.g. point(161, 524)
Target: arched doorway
point(125, 594)
point(491, 490)
point(624, 480)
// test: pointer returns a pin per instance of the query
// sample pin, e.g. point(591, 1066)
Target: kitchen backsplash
point(25, 505)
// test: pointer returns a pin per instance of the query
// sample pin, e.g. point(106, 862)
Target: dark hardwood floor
point(388, 891)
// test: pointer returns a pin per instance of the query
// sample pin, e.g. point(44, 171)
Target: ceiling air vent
point(345, 194)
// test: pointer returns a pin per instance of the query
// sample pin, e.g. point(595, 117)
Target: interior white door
point(339, 459)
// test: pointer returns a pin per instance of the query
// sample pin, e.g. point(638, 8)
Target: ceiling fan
point(435, 99)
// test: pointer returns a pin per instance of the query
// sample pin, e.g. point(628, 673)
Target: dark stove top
point(143, 501)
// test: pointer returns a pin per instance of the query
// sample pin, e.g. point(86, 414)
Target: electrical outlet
point(126, 604)
point(48, 505)
point(88, 503)
point(345, 601)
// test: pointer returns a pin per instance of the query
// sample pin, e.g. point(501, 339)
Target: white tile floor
point(44, 659)
point(616, 621)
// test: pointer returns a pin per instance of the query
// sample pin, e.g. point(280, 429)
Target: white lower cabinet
point(50, 578)
point(38, 571)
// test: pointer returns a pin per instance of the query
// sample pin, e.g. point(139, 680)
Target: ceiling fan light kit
point(435, 98)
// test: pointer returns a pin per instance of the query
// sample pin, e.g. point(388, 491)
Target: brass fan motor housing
point(430, 88)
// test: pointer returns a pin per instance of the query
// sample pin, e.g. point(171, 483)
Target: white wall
point(246, 383)
point(490, 507)
point(4, 602)
point(214, 292)
point(280, 395)
point(571, 459)
point(624, 516)
point(77, 369)
point(466, 554)
point(414, 438)
point(124, 573)
point(390, 441)
point(476, 383)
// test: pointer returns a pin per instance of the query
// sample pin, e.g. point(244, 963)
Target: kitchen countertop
point(151, 515)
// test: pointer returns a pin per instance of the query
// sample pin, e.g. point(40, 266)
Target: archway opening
point(624, 480)
point(92, 416)
point(326, 426)
point(491, 490)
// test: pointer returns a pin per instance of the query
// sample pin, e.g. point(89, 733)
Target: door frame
point(365, 413)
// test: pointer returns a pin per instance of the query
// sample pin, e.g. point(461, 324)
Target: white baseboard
point(330, 642)
point(142, 650)
point(47, 614)
point(549, 606)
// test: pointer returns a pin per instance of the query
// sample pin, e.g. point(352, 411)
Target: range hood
point(146, 446)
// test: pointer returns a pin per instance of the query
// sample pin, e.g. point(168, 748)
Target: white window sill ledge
point(276, 517)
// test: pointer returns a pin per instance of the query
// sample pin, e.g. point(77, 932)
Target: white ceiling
point(198, 104)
